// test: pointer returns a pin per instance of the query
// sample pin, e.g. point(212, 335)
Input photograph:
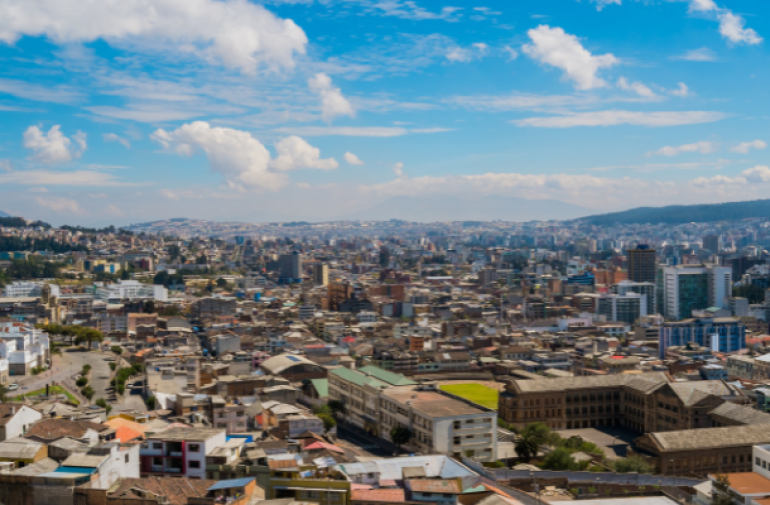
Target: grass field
point(474, 392)
point(56, 390)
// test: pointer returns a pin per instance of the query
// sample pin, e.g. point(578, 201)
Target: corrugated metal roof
point(226, 484)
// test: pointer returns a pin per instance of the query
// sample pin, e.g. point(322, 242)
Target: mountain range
point(4, 214)
point(678, 214)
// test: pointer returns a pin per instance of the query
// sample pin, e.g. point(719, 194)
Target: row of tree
point(76, 334)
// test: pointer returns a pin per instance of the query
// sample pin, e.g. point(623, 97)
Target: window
point(126, 458)
point(194, 447)
point(193, 464)
point(157, 445)
point(157, 461)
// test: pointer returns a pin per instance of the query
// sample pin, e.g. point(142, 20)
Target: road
point(66, 366)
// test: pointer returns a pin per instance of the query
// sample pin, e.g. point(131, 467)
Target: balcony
point(469, 429)
point(472, 442)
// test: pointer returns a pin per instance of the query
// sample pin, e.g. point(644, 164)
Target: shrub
point(88, 392)
point(328, 421)
point(103, 403)
point(113, 366)
point(117, 349)
point(121, 389)
point(631, 464)
point(81, 382)
point(150, 402)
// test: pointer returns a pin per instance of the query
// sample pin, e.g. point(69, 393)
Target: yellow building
point(290, 478)
point(22, 451)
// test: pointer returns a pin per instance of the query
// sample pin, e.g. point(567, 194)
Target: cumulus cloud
point(637, 87)
point(333, 104)
point(353, 159)
point(54, 147)
point(619, 117)
point(731, 27)
point(398, 169)
point(237, 33)
point(682, 90)
point(703, 147)
point(554, 47)
point(60, 204)
point(702, 5)
point(111, 137)
point(240, 158)
point(745, 147)
point(760, 173)
point(295, 153)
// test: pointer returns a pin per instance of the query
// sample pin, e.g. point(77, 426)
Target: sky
point(127, 111)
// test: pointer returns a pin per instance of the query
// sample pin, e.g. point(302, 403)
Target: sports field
point(474, 392)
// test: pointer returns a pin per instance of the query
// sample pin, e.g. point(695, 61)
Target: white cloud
point(38, 93)
point(619, 117)
point(115, 211)
point(398, 169)
point(703, 147)
point(38, 190)
point(6, 165)
point(237, 33)
point(61, 178)
point(512, 53)
point(702, 5)
point(745, 147)
point(356, 131)
point(731, 27)
point(240, 158)
point(701, 54)
point(601, 4)
point(333, 104)
point(60, 204)
point(457, 54)
point(682, 90)
point(54, 147)
point(562, 50)
point(760, 173)
point(637, 87)
point(295, 153)
point(169, 194)
point(353, 159)
point(111, 137)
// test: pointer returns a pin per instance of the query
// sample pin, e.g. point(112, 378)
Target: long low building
point(378, 401)
point(704, 451)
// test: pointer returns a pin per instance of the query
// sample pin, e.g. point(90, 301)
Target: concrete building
point(180, 451)
point(684, 288)
point(712, 243)
point(647, 289)
point(628, 308)
point(290, 266)
point(321, 274)
point(129, 290)
point(723, 334)
point(29, 289)
point(16, 419)
point(641, 264)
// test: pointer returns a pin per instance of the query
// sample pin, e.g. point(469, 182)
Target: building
point(179, 452)
point(712, 243)
point(378, 401)
point(684, 288)
point(290, 267)
point(647, 289)
point(723, 334)
point(25, 289)
point(130, 290)
point(628, 308)
point(321, 274)
point(641, 264)
point(641, 402)
point(16, 419)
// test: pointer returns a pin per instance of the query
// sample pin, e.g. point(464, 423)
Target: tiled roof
point(176, 489)
point(601, 381)
point(381, 495)
point(740, 413)
point(435, 486)
point(710, 438)
point(52, 429)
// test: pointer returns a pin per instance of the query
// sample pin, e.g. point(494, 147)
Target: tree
point(720, 491)
point(328, 421)
point(149, 307)
point(113, 366)
point(81, 382)
point(631, 464)
point(532, 437)
point(103, 404)
point(88, 392)
point(400, 436)
point(117, 349)
point(221, 283)
point(150, 402)
point(560, 459)
point(336, 406)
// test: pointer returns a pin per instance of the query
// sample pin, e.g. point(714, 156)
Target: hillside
point(4, 214)
point(677, 214)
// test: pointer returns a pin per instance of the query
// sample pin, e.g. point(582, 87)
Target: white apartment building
point(366, 317)
point(129, 290)
point(378, 401)
point(178, 452)
point(689, 287)
point(23, 289)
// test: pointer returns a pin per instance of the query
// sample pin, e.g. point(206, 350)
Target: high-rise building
point(712, 243)
point(641, 264)
point(321, 274)
point(692, 287)
point(290, 266)
point(628, 308)
point(647, 289)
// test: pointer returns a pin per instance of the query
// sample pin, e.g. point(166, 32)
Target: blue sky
point(238, 110)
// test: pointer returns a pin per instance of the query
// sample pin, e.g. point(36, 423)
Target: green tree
point(88, 392)
point(631, 464)
point(336, 406)
point(328, 421)
point(532, 437)
point(113, 366)
point(720, 491)
point(400, 436)
point(81, 382)
point(103, 403)
point(221, 283)
point(560, 459)
point(150, 402)
point(117, 349)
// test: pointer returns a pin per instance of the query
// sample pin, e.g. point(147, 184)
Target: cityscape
point(375, 252)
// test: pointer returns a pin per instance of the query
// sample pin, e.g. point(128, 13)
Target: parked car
point(13, 387)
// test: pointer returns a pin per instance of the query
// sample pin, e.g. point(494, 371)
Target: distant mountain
point(677, 214)
point(489, 208)
point(4, 214)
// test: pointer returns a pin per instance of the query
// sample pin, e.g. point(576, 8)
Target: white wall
point(21, 422)
point(122, 463)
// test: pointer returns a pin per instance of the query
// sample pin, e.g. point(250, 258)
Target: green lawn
point(54, 390)
point(474, 392)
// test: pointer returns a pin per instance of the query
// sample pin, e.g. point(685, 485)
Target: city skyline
point(312, 110)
